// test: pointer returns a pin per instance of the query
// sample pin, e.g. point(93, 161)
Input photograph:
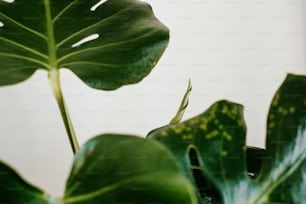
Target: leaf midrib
point(286, 172)
point(50, 36)
point(108, 188)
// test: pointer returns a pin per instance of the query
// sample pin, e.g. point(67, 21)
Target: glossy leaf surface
point(217, 139)
point(214, 144)
point(115, 169)
point(120, 169)
point(107, 44)
point(286, 142)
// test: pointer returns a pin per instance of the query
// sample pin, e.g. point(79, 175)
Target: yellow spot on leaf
point(291, 110)
point(203, 126)
point(223, 153)
point(280, 109)
point(164, 133)
point(193, 122)
point(235, 111)
point(212, 134)
point(187, 137)
point(271, 125)
point(227, 136)
point(224, 110)
point(276, 100)
point(179, 129)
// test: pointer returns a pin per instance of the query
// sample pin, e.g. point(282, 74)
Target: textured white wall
point(239, 50)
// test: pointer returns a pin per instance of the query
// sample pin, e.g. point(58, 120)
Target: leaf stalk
point(54, 79)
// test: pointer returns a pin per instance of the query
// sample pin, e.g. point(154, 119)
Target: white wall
point(239, 50)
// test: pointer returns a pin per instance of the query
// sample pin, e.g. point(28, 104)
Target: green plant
point(106, 46)
point(201, 160)
point(212, 147)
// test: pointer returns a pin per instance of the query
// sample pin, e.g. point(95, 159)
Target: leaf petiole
point(54, 79)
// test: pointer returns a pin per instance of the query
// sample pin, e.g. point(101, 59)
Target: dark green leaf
point(126, 40)
point(125, 169)
point(218, 139)
point(286, 143)
point(14, 190)
point(214, 144)
point(293, 189)
point(111, 169)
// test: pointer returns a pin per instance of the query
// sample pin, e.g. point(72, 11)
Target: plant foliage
point(213, 143)
point(209, 149)
point(106, 45)
point(202, 160)
point(110, 169)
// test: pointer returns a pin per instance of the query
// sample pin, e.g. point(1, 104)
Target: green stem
point(54, 78)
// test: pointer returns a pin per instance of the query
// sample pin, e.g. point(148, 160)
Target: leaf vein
point(24, 26)
point(102, 46)
point(16, 69)
point(89, 27)
point(90, 63)
point(63, 11)
point(24, 58)
point(103, 190)
point(24, 47)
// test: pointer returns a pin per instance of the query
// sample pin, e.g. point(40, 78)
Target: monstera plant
point(108, 44)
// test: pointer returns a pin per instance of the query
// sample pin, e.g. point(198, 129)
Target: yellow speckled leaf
point(212, 151)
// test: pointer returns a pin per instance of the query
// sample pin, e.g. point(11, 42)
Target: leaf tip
point(180, 113)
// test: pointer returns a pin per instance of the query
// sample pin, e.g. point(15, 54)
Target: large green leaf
point(124, 169)
point(285, 163)
point(213, 143)
point(14, 190)
point(113, 169)
point(125, 40)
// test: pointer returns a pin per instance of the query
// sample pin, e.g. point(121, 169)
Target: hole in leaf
point(85, 40)
point(9, 1)
point(208, 192)
point(254, 161)
point(1, 24)
point(94, 7)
